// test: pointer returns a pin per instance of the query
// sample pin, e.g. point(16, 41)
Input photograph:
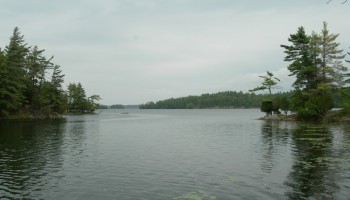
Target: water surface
point(173, 154)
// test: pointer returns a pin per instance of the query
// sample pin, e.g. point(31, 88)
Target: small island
point(31, 85)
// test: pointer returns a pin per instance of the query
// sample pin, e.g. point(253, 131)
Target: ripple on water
point(198, 154)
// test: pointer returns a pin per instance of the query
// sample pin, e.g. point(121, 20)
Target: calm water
point(173, 154)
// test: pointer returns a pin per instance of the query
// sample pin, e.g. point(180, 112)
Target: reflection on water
point(319, 164)
point(319, 157)
point(308, 176)
point(274, 142)
point(30, 155)
point(197, 154)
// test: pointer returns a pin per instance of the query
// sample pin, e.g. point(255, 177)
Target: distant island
point(118, 106)
point(228, 99)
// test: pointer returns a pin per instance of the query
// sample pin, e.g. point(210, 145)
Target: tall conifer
point(298, 53)
point(12, 96)
point(331, 56)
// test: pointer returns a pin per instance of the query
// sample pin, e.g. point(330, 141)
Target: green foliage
point(269, 82)
point(92, 103)
point(12, 83)
point(267, 106)
point(331, 66)
point(345, 92)
point(316, 107)
point(190, 106)
point(283, 103)
point(117, 106)
point(77, 100)
point(30, 84)
point(316, 62)
point(227, 99)
point(302, 66)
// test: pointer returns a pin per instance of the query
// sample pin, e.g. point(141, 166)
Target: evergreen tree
point(58, 96)
point(25, 87)
point(36, 68)
point(302, 66)
point(268, 105)
point(345, 92)
point(77, 100)
point(269, 82)
point(331, 67)
point(74, 98)
point(93, 102)
point(317, 65)
point(284, 104)
point(3, 90)
point(13, 70)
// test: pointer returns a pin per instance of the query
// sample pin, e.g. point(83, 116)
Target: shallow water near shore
point(173, 154)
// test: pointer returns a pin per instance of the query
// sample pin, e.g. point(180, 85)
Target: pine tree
point(317, 65)
point(58, 97)
point(36, 68)
point(93, 102)
point(13, 70)
point(345, 92)
point(331, 56)
point(3, 89)
point(77, 101)
point(269, 82)
point(302, 65)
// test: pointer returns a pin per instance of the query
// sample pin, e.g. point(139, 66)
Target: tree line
point(228, 99)
point(31, 85)
point(317, 63)
point(114, 106)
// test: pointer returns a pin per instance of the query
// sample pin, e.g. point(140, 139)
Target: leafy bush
point(266, 106)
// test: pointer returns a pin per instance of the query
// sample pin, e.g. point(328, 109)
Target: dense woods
point(229, 99)
point(31, 84)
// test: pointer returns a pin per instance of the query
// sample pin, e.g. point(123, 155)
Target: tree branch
point(332, 0)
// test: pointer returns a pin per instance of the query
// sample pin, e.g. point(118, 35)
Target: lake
point(173, 154)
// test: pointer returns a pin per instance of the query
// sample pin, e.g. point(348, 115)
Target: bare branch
point(329, 1)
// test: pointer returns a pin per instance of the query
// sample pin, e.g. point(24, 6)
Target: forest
point(31, 85)
point(228, 99)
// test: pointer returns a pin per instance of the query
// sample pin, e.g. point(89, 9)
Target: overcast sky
point(135, 51)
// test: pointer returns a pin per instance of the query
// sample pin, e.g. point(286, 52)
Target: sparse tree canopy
point(269, 82)
point(331, 66)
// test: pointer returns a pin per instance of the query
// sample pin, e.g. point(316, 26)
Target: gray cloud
point(133, 51)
